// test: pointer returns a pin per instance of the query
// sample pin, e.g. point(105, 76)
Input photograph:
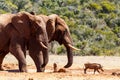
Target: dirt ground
point(75, 72)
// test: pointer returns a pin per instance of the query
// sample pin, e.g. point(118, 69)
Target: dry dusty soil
point(75, 72)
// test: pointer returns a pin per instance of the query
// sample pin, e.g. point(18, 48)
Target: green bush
point(107, 6)
point(95, 51)
point(60, 50)
point(95, 6)
point(102, 15)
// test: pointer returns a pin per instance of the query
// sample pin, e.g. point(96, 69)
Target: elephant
point(20, 32)
point(58, 30)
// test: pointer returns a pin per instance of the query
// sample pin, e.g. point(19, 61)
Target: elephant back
point(5, 19)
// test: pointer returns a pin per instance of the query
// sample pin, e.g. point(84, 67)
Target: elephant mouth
point(72, 47)
point(44, 46)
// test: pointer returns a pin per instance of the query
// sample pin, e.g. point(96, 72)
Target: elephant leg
point(36, 52)
point(17, 48)
point(38, 60)
point(18, 53)
point(45, 57)
point(2, 56)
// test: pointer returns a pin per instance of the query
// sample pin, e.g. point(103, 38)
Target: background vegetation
point(94, 24)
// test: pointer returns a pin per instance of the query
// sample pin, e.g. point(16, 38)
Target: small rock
point(62, 70)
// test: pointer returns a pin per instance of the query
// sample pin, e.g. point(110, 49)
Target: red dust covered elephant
point(18, 32)
point(58, 30)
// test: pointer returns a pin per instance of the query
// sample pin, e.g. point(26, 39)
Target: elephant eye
point(58, 24)
point(64, 31)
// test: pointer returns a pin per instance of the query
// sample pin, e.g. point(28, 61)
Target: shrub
point(107, 6)
point(95, 6)
point(102, 15)
point(95, 51)
point(60, 50)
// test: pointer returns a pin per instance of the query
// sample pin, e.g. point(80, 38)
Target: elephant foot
point(41, 70)
point(2, 69)
point(23, 69)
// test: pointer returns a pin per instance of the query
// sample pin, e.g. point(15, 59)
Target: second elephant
point(58, 30)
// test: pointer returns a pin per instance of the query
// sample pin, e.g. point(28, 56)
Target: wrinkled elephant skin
point(18, 32)
point(58, 30)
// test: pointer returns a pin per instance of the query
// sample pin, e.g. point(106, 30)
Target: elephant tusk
point(72, 47)
point(43, 45)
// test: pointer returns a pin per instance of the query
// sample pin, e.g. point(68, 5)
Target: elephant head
point(58, 30)
point(32, 30)
point(28, 25)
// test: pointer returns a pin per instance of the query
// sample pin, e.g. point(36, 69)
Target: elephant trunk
point(70, 48)
point(69, 57)
point(68, 44)
point(43, 42)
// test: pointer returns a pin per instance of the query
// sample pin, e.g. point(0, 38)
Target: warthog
point(94, 66)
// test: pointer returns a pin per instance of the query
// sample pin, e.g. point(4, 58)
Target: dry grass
point(110, 64)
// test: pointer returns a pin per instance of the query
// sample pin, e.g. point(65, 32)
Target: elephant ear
point(21, 23)
point(50, 27)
